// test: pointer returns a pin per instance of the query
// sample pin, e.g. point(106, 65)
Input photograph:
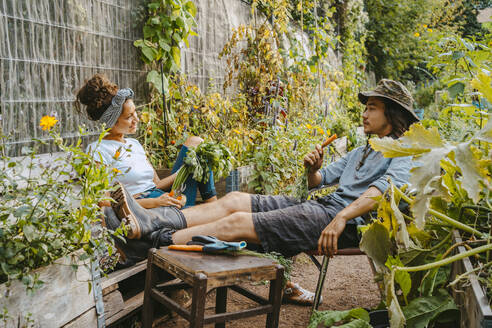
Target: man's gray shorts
point(289, 227)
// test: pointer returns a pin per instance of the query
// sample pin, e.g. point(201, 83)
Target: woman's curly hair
point(96, 94)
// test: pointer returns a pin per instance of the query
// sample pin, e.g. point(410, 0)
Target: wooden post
point(221, 304)
point(150, 281)
point(275, 298)
point(198, 300)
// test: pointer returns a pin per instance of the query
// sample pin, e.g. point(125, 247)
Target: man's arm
point(313, 161)
point(328, 241)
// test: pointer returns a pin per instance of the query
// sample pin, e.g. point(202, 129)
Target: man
point(284, 225)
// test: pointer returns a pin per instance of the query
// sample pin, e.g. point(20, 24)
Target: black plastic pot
point(379, 319)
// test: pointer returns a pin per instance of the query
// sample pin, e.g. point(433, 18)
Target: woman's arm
point(163, 200)
point(166, 182)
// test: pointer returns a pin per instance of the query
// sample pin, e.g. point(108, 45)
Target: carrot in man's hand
point(190, 248)
point(179, 197)
point(329, 140)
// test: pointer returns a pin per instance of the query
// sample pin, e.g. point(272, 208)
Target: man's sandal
point(295, 294)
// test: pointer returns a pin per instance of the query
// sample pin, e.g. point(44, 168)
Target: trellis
point(48, 48)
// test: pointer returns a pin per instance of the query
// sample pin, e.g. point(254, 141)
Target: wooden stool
point(204, 272)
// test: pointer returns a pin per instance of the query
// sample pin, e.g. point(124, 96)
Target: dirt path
point(349, 283)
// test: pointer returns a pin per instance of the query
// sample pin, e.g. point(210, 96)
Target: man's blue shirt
point(375, 171)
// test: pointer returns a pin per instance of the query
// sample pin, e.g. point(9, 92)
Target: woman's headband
point(111, 114)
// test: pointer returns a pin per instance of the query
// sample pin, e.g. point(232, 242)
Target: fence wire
point(48, 48)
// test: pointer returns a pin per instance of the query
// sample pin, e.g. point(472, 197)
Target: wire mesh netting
point(48, 48)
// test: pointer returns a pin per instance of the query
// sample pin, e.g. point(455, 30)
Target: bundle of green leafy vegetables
point(199, 160)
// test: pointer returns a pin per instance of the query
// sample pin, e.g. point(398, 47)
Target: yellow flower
point(47, 122)
point(116, 155)
point(429, 30)
point(425, 25)
point(309, 126)
point(416, 34)
point(320, 131)
point(116, 171)
point(237, 131)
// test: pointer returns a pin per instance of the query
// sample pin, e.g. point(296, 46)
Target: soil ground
point(349, 284)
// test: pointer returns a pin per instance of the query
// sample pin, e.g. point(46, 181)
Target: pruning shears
point(208, 244)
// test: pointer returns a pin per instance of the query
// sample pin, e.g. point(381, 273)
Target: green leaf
point(164, 46)
point(483, 83)
point(148, 52)
point(176, 55)
point(472, 170)
point(390, 148)
point(420, 137)
point(425, 178)
point(457, 55)
point(156, 78)
point(376, 243)
point(456, 89)
point(328, 318)
point(191, 8)
point(357, 323)
point(422, 310)
point(155, 20)
point(401, 277)
point(153, 6)
point(30, 232)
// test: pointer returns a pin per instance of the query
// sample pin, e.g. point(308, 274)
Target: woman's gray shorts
point(289, 227)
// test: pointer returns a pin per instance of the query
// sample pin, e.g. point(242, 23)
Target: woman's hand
point(314, 160)
point(166, 200)
point(328, 241)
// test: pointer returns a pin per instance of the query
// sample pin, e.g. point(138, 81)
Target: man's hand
point(328, 241)
point(314, 160)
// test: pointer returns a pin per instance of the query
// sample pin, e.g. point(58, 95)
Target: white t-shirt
point(137, 174)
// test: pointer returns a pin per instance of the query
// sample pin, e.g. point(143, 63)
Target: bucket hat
point(394, 91)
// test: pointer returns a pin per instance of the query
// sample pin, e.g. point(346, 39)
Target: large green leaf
point(420, 137)
point(483, 83)
point(456, 89)
point(425, 178)
point(376, 243)
point(473, 170)
point(329, 318)
point(390, 147)
point(422, 310)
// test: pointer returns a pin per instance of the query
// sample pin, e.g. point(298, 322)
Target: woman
point(106, 103)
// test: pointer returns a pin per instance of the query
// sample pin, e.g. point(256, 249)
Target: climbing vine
point(167, 28)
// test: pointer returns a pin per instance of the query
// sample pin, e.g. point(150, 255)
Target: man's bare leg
point(235, 227)
point(209, 212)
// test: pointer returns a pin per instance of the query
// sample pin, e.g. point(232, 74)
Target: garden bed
point(471, 299)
